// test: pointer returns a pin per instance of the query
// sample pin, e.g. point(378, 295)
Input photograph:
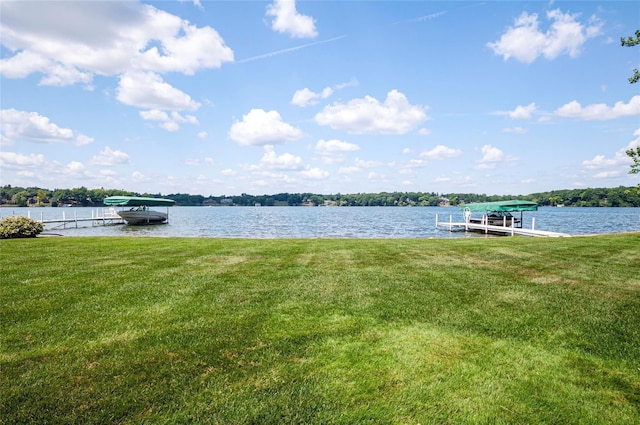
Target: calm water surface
point(330, 222)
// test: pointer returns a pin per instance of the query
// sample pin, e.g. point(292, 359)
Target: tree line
point(83, 197)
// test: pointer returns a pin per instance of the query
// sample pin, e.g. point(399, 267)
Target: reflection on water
point(331, 222)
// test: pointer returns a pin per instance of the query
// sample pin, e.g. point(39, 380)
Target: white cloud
point(606, 175)
point(17, 160)
point(619, 159)
point(110, 157)
point(331, 151)
point(377, 177)
point(286, 19)
point(75, 168)
point(83, 140)
point(413, 163)
point(441, 152)
point(306, 97)
point(599, 161)
point(148, 90)
point(492, 156)
point(457, 181)
point(69, 42)
point(169, 122)
point(361, 163)
point(600, 111)
point(260, 127)
point(314, 174)
point(368, 115)
point(526, 42)
point(523, 112)
point(20, 125)
point(272, 161)
point(335, 145)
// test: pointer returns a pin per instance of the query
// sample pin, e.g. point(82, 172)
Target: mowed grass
point(320, 331)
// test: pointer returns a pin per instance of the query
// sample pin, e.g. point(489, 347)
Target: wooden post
point(450, 223)
point(533, 223)
point(436, 221)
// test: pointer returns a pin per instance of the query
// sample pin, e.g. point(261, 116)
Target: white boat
point(136, 209)
point(497, 219)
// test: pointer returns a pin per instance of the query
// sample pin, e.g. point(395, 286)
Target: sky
point(220, 98)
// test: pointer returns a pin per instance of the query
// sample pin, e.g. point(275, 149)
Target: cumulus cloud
point(306, 97)
point(600, 111)
point(368, 115)
point(17, 160)
point(148, 90)
point(30, 126)
point(523, 112)
point(109, 157)
point(441, 152)
point(70, 42)
point(492, 156)
point(260, 127)
point(525, 41)
point(81, 39)
point(286, 19)
point(272, 161)
point(331, 151)
point(619, 159)
point(335, 145)
point(314, 173)
point(169, 122)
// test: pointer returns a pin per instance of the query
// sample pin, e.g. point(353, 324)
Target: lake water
point(330, 222)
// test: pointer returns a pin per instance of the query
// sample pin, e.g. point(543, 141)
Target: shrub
point(19, 227)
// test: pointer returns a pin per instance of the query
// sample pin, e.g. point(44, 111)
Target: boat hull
point(143, 217)
point(496, 221)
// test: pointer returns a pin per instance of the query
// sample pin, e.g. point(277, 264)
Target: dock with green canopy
point(137, 201)
point(139, 211)
point(497, 218)
point(501, 206)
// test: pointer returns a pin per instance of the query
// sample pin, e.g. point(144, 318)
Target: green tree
point(41, 196)
point(630, 42)
point(634, 154)
point(20, 198)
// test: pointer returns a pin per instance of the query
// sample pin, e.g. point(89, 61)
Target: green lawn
point(320, 331)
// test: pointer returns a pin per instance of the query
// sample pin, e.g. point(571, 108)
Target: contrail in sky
point(291, 49)
point(427, 17)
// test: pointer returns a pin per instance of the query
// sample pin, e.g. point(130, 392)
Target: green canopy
point(137, 201)
point(513, 205)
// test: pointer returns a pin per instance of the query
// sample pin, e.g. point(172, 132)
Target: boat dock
point(483, 226)
point(105, 216)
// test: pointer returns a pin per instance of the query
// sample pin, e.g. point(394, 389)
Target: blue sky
point(230, 97)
